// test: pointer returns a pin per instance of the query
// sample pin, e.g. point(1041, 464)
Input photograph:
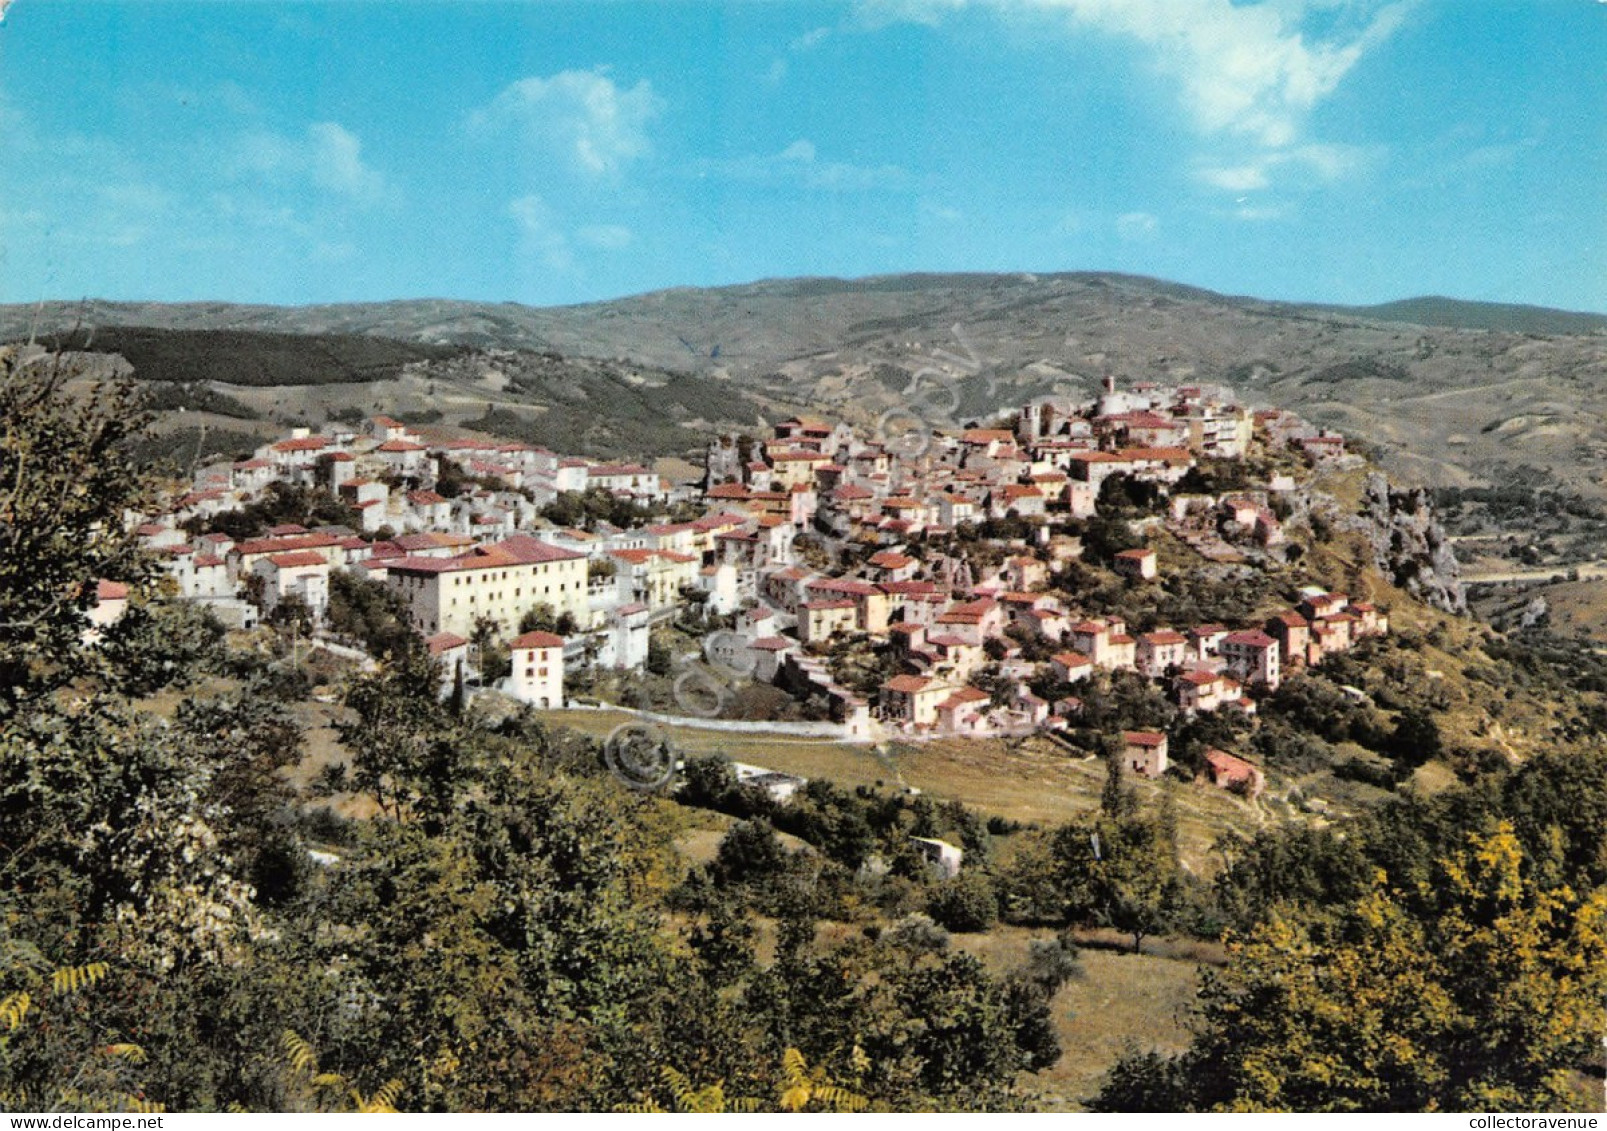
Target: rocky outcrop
point(1410, 546)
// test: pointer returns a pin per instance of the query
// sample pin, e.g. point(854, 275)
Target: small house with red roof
point(1160, 651)
point(1230, 772)
point(964, 711)
point(537, 660)
point(451, 653)
point(1144, 753)
point(912, 699)
point(1252, 657)
point(300, 573)
point(1137, 564)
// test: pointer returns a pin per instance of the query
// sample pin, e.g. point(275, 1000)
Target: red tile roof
point(1235, 769)
point(297, 560)
point(1165, 636)
point(1254, 638)
point(963, 696)
point(906, 684)
point(444, 642)
point(539, 640)
point(285, 545)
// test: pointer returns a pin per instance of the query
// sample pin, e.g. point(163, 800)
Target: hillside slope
point(1447, 404)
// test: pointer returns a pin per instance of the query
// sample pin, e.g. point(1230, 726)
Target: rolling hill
point(1451, 393)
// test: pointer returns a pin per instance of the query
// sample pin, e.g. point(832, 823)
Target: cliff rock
point(1409, 545)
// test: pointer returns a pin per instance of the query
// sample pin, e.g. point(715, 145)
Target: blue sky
point(562, 152)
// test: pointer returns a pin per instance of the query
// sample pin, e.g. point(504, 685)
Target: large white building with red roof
point(500, 582)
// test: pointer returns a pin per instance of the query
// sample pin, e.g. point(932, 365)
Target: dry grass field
point(1032, 781)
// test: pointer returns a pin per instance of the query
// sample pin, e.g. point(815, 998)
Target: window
point(543, 673)
point(530, 673)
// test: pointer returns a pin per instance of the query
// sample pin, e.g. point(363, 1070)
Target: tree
point(965, 903)
point(1479, 992)
point(1416, 739)
point(1120, 871)
point(400, 737)
point(157, 644)
point(248, 739)
point(86, 1075)
point(1105, 536)
point(486, 637)
point(370, 612)
point(291, 616)
point(66, 481)
point(750, 853)
point(538, 618)
point(660, 657)
point(285, 502)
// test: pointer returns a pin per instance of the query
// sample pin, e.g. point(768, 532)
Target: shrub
point(966, 904)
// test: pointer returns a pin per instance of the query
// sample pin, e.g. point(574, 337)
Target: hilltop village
point(916, 585)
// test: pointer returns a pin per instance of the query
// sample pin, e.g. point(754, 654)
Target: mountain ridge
point(1445, 405)
point(19, 319)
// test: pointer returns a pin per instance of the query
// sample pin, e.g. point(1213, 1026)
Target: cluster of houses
point(771, 514)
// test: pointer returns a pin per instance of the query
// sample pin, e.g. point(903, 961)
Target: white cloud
point(544, 234)
point(585, 118)
point(1239, 178)
point(609, 237)
point(811, 39)
point(541, 233)
point(1248, 74)
point(799, 163)
point(328, 155)
point(1137, 226)
point(1251, 70)
point(1260, 213)
point(337, 162)
point(1319, 162)
point(802, 150)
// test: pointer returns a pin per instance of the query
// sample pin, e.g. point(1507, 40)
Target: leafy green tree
point(1481, 992)
point(292, 616)
point(1120, 871)
point(1141, 1081)
point(1105, 536)
point(399, 736)
point(115, 841)
point(750, 854)
point(371, 612)
point(157, 644)
point(1416, 738)
point(285, 503)
point(723, 942)
point(487, 640)
point(65, 483)
point(248, 739)
point(966, 903)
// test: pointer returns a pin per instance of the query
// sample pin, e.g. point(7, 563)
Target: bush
point(750, 852)
point(158, 644)
point(965, 904)
point(918, 935)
